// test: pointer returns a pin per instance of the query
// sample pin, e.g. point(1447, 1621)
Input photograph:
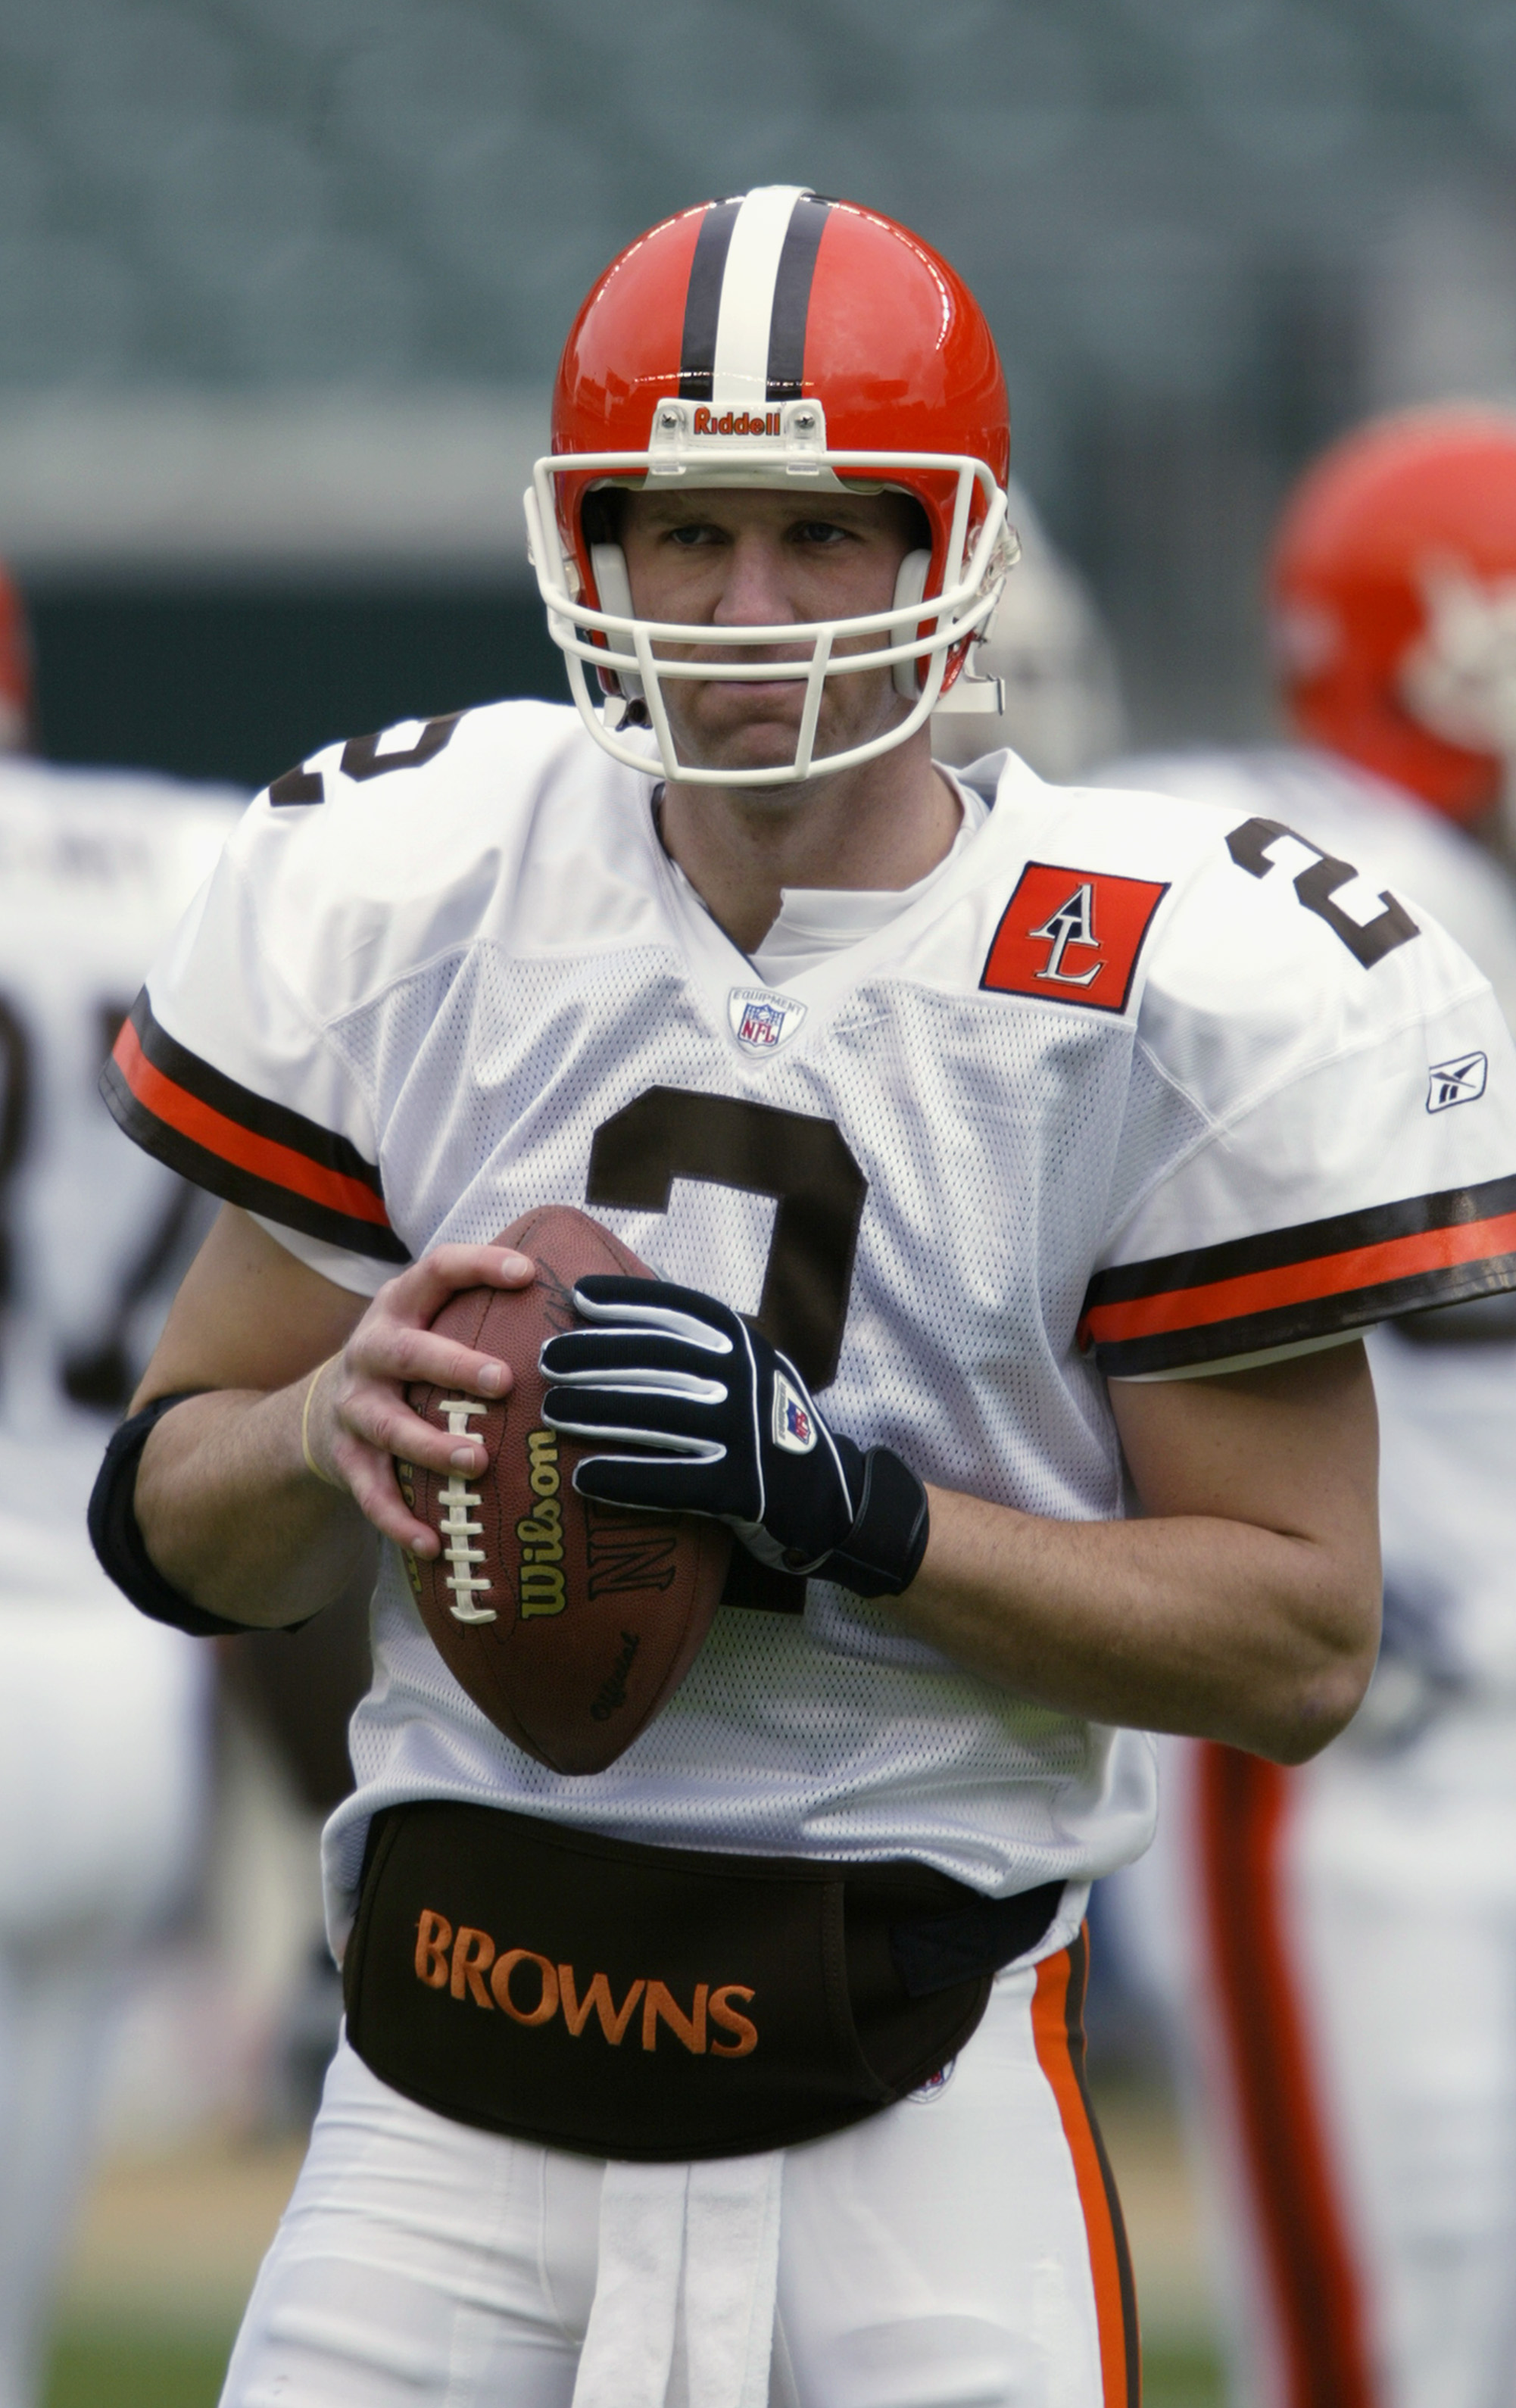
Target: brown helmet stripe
point(792, 297)
point(703, 300)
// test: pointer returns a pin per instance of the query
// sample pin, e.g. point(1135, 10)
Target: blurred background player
point(1336, 1944)
point(102, 1715)
point(1062, 697)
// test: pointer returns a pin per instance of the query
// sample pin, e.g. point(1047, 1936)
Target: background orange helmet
point(783, 340)
point(1393, 596)
point(16, 696)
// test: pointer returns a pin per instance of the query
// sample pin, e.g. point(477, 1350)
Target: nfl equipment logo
point(763, 1022)
point(934, 2085)
point(795, 1429)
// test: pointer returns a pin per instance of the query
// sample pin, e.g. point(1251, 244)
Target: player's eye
point(688, 538)
point(823, 534)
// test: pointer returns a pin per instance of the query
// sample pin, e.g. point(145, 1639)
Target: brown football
point(568, 1622)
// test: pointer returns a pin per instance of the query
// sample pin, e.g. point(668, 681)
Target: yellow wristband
point(311, 1464)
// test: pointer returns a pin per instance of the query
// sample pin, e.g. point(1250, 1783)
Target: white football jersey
point(1446, 1385)
point(96, 871)
point(1122, 1093)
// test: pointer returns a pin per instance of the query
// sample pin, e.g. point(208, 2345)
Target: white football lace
point(460, 1502)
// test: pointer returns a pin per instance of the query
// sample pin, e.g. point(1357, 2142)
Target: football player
point(1006, 1151)
point(1060, 691)
point(1344, 1998)
point(101, 1716)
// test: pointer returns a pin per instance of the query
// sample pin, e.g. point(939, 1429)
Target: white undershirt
point(815, 920)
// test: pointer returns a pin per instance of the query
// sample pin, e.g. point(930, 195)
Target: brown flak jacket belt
point(660, 2004)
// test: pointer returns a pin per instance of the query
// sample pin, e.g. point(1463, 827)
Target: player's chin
point(751, 726)
point(738, 728)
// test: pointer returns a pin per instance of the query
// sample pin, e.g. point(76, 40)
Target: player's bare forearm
point(1244, 1608)
point(232, 1517)
point(231, 1510)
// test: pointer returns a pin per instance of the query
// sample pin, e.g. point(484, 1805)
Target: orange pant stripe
point(1241, 1807)
point(1058, 2032)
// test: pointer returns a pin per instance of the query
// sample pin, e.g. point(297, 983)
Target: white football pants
point(102, 1757)
point(1338, 1952)
point(960, 2250)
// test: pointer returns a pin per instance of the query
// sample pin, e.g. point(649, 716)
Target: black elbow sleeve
point(117, 1541)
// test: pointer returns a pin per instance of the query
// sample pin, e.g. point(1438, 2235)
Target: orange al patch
point(1072, 936)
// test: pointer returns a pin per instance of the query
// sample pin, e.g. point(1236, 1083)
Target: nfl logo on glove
point(794, 1429)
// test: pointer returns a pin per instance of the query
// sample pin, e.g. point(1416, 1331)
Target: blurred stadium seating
point(244, 238)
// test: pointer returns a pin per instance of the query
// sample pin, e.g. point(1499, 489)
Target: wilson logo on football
point(532, 1990)
point(540, 1534)
point(1072, 936)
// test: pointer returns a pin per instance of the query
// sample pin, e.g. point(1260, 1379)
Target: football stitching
point(459, 1501)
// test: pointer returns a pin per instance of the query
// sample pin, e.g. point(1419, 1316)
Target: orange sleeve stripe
point(1120, 2369)
point(264, 1157)
point(1325, 1275)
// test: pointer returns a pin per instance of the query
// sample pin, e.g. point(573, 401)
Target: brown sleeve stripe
point(255, 1153)
point(1308, 1281)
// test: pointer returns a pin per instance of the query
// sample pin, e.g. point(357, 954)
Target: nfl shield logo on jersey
point(795, 1429)
point(762, 1022)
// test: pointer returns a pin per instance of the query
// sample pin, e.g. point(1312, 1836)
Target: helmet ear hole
point(909, 586)
point(614, 588)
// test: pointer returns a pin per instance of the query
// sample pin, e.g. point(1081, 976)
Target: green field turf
point(99, 2369)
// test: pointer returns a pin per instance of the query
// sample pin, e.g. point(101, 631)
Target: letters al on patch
point(1072, 936)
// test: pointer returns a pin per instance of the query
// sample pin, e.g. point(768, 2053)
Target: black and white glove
point(725, 1426)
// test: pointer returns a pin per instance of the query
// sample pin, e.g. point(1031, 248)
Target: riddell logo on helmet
point(468, 1965)
point(735, 421)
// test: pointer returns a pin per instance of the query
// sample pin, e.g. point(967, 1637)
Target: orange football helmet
point(17, 704)
point(1393, 598)
point(777, 339)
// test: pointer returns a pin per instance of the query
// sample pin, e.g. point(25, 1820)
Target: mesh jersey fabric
point(1447, 1409)
point(422, 983)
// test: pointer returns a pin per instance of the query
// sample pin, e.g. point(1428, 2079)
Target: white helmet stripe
point(747, 307)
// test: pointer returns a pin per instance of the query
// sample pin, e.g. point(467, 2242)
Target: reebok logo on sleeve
point(1459, 1082)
